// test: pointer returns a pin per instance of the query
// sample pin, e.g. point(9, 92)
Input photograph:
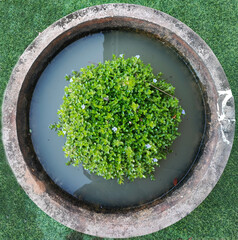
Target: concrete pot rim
point(220, 130)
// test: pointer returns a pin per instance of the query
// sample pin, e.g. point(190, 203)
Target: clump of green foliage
point(119, 119)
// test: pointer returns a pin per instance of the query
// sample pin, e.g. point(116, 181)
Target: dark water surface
point(47, 99)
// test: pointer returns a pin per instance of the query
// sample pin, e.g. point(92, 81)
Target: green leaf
point(134, 106)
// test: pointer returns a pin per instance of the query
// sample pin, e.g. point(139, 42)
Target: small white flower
point(137, 56)
point(114, 129)
point(64, 132)
point(121, 55)
point(83, 106)
point(148, 146)
point(155, 80)
point(183, 112)
point(71, 80)
point(155, 160)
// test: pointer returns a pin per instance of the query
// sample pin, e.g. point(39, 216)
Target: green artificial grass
point(215, 21)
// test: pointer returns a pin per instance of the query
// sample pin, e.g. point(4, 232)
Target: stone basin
point(133, 221)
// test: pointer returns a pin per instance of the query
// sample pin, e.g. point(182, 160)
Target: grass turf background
point(215, 21)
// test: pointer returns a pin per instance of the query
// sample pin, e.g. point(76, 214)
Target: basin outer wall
point(158, 214)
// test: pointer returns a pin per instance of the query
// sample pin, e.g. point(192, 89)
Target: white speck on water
point(183, 112)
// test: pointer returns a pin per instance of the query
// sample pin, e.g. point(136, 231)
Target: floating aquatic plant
point(119, 119)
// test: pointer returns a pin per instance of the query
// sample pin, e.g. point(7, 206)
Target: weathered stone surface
point(125, 222)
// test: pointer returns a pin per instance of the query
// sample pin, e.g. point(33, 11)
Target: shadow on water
point(99, 191)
